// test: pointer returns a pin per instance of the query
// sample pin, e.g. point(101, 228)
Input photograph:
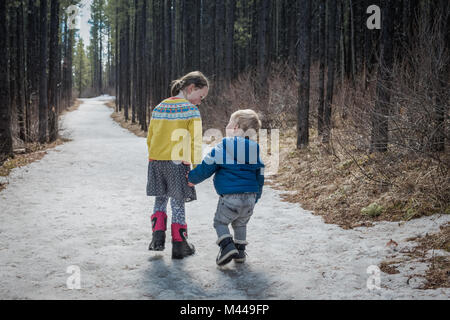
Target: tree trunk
point(135, 90)
point(167, 57)
point(229, 41)
point(331, 64)
point(208, 36)
point(32, 44)
point(126, 63)
point(254, 39)
point(219, 45)
point(304, 55)
point(53, 71)
point(142, 70)
point(367, 52)
point(441, 107)
point(173, 44)
point(116, 58)
point(20, 71)
point(322, 42)
point(43, 105)
point(352, 42)
point(69, 66)
point(13, 64)
point(379, 138)
point(262, 90)
point(6, 143)
point(197, 57)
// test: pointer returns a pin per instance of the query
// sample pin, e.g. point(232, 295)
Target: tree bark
point(262, 90)
point(322, 42)
point(53, 70)
point(229, 41)
point(6, 143)
point(219, 69)
point(20, 71)
point(32, 44)
point(43, 105)
point(304, 55)
point(379, 137)
point(331, 64)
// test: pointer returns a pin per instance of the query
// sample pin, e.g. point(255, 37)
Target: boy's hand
point(190, 184)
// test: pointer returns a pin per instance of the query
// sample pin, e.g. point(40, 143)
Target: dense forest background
point(358, 77)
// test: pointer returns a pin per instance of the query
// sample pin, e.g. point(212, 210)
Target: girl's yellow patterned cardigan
point(175, 132)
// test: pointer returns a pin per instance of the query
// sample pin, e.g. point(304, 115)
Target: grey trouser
point(236, 208)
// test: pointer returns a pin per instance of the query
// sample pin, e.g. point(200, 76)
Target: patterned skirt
point(166, 178)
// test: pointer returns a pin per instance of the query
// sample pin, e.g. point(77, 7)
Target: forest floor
point(83, 205)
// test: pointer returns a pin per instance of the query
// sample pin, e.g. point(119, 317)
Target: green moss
point(372, 210)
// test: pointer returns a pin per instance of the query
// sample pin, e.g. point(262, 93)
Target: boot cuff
point(179, 232)
point(159, 221)
point(223, 237)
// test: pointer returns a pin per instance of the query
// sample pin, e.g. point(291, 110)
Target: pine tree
point(304, 56)
point(6, 144)
point(43, 78)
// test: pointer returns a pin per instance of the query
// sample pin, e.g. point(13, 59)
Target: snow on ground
point(84, 206)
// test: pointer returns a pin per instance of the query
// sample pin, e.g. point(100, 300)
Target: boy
point(238, 179)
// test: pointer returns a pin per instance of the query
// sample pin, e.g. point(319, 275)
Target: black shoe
point(158, 241)
point(181, 249)
point(241, 255)
point(227, 251)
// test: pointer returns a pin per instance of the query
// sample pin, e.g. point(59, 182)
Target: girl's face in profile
point(196, 95)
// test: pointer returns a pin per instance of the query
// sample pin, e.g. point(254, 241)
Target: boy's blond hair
point(246, 119)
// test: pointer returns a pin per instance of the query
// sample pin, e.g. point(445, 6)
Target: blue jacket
point(237, 167)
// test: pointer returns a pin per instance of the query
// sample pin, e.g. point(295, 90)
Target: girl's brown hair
point(195, 77)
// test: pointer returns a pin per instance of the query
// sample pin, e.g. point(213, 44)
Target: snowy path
point(84, 204)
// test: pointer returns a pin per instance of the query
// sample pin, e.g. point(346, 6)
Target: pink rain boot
point(180, 247)
point(159, 226)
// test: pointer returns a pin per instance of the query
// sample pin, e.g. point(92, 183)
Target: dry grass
point(120, 119)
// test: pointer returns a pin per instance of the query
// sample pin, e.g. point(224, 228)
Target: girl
point(170, 159)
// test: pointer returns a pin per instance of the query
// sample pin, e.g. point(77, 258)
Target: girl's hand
point(190, 184)
point(185, 163)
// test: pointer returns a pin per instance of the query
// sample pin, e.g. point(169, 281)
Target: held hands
point(187, 174)
point(190, 184)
